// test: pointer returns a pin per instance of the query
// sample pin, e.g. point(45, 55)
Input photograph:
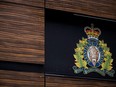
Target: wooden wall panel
point(71, 82)
point(22, 39)
point(37, 3)
point(100, 8)
point(21, 79)
point(21, 33)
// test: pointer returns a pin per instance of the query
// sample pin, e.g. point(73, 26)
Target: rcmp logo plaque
point(93, 55)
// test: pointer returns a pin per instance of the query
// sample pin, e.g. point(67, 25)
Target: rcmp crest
point(93, 55)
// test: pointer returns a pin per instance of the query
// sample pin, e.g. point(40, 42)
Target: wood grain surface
point(21, 33)
point(21, 79)
point(71, 82)
point(99, 8)
point(37, 3)
point(22, 39)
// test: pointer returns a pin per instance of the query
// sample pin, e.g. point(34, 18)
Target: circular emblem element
point(93, 53)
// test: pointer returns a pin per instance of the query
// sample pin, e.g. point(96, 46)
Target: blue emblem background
point(93, 42)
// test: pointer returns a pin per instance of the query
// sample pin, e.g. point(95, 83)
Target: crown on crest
point(92, 32)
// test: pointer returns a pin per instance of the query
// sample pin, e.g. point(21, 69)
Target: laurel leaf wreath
point(79, 58)
point(79, 52)
point(107, 63)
